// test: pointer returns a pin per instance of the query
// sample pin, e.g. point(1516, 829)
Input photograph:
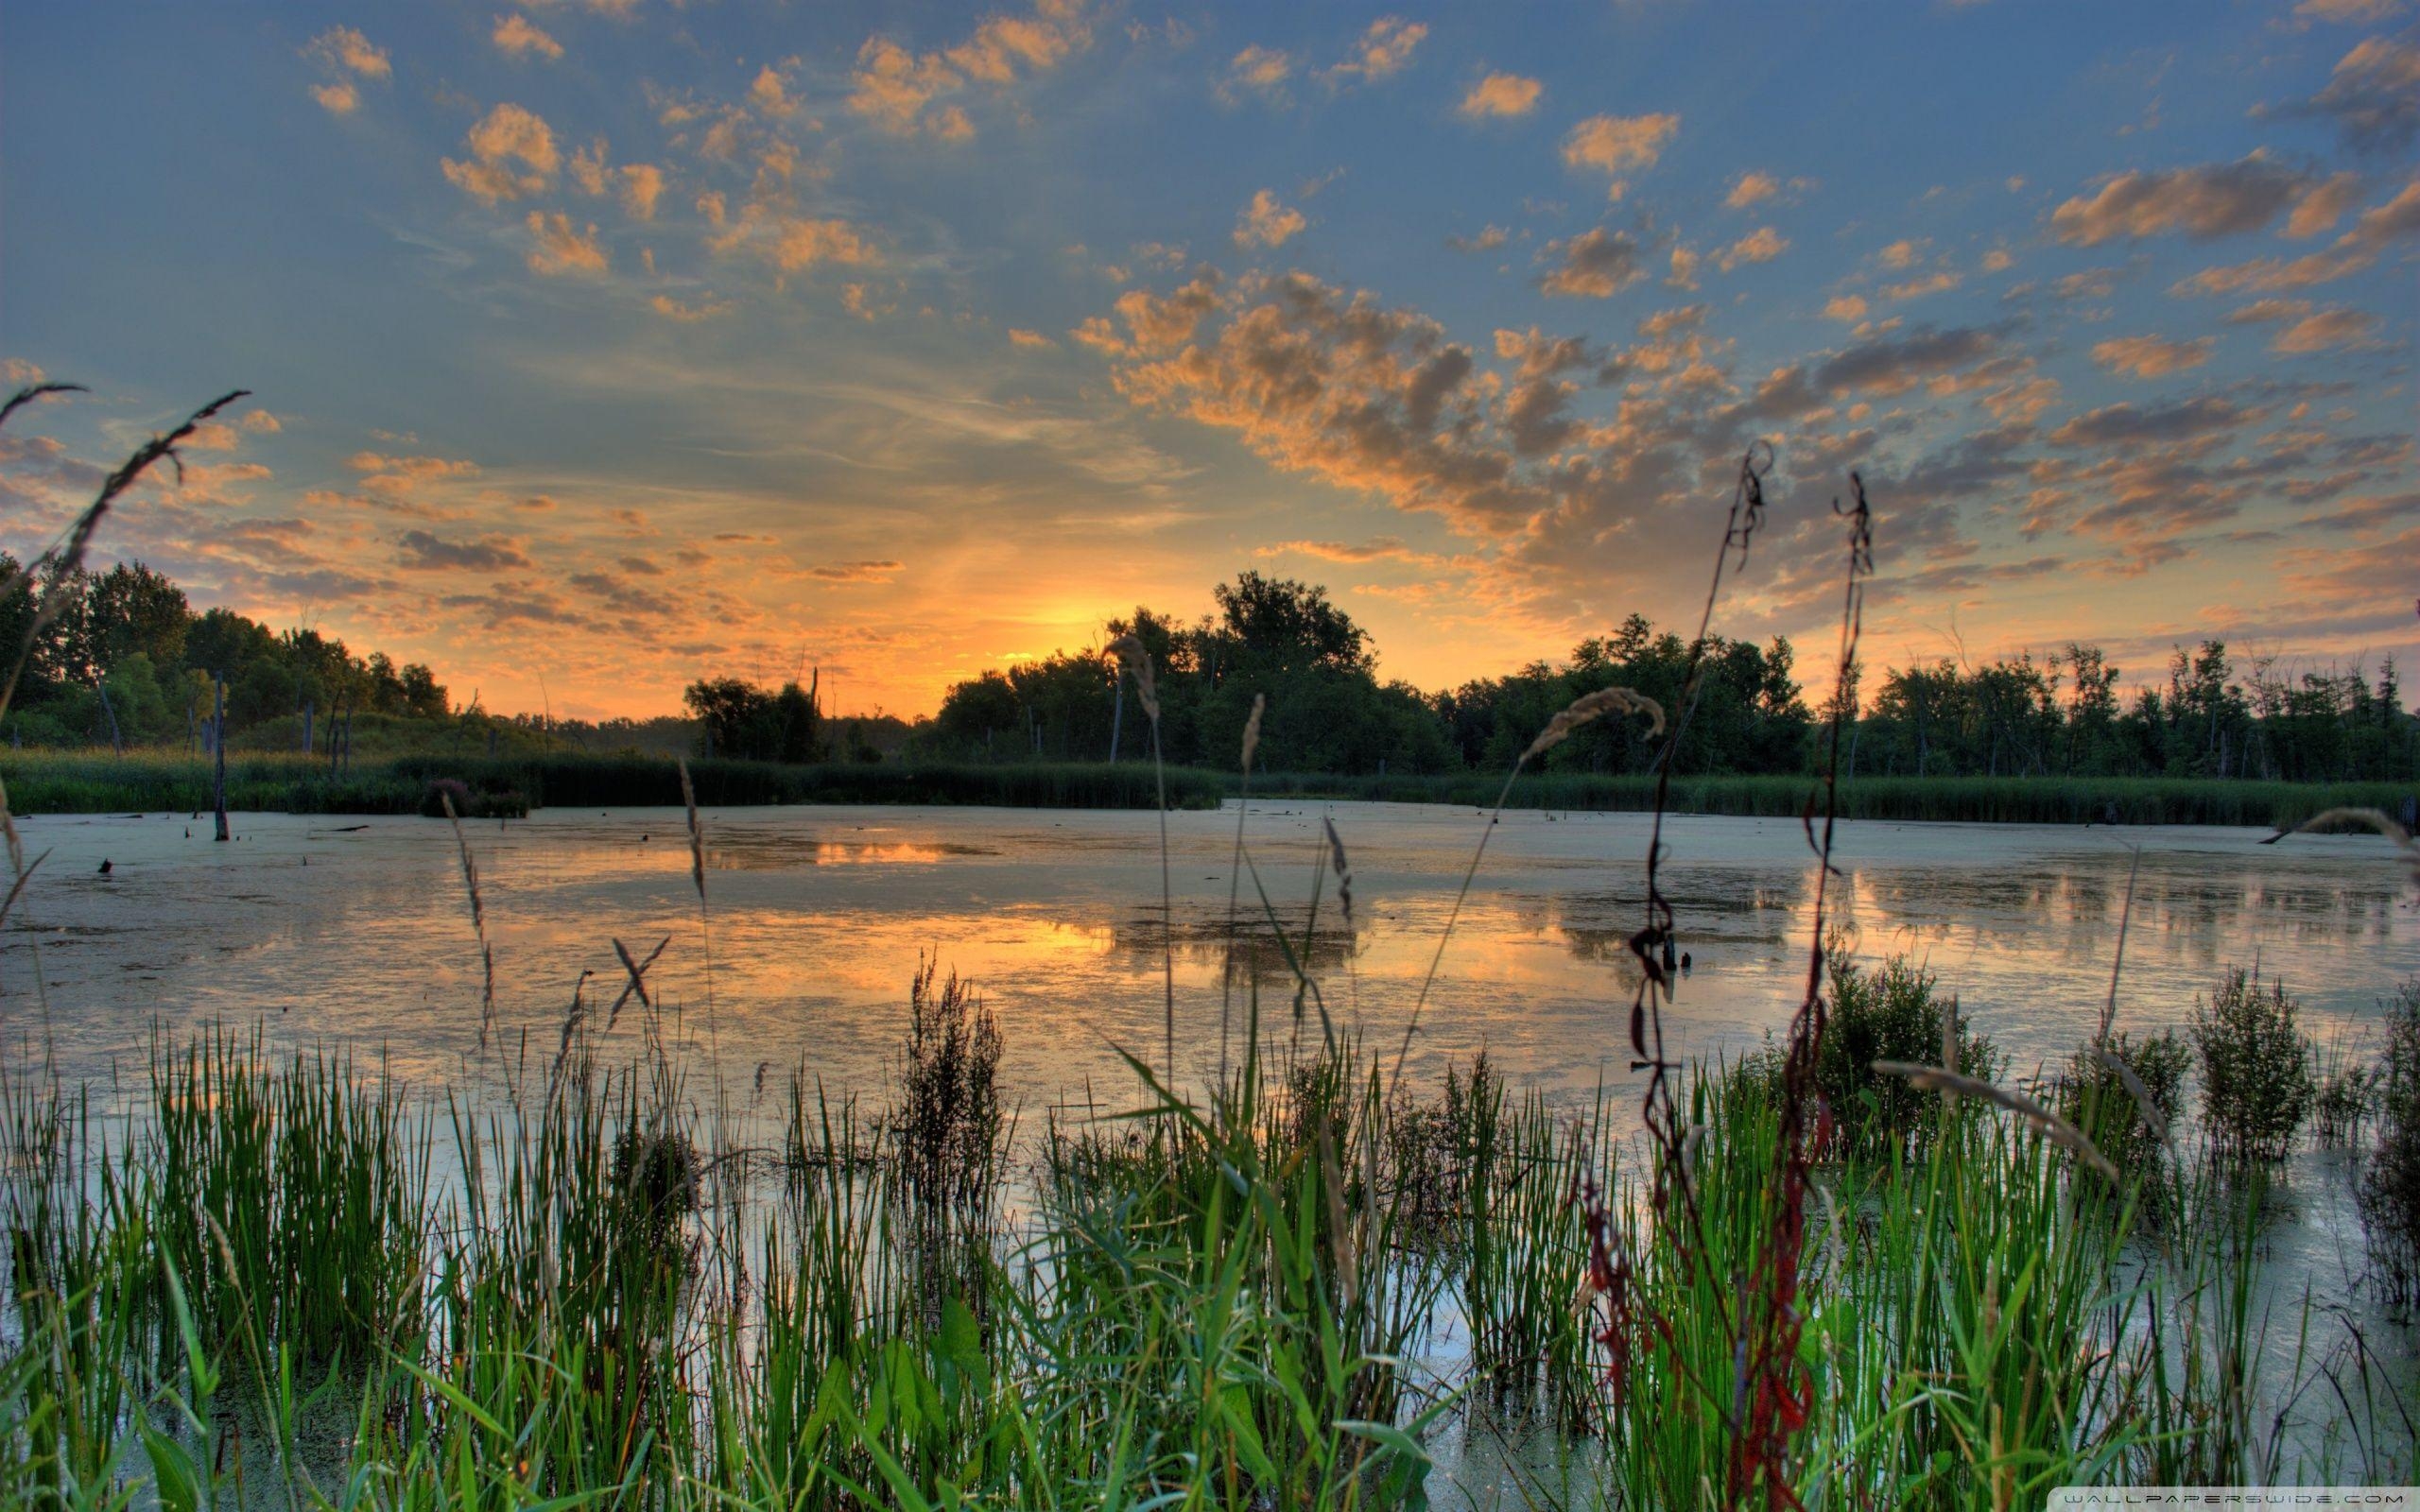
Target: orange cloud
point(2151, 357)
point(1501, 95)
point(511, 156)
point(1615, 145)
point(1267, 223)
point(557, 247)
point(516, 37)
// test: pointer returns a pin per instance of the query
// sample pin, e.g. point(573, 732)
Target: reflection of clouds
point(818, 917)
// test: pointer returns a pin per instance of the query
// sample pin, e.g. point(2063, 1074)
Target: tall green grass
point(1270, 1293)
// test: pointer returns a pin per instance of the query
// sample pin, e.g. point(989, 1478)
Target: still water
point(357, 932)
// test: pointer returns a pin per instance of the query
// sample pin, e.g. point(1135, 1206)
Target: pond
point(357, 932)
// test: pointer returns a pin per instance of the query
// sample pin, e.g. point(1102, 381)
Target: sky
point(598, 344)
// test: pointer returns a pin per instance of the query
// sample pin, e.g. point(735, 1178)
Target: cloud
point(2205, 202)
point(516, 37)
point(348, 55)
point(794, 243)
point(405, 474)
point(2151, 357)
point(1940, 280)
point(1267, 223)
point(1260, 70)
point(1337, 387)
point(1382, 52)
point(1753, 187)
point(421, 550)
point(1596, 264)
point(1901, 254)
point(2269, 275)
point(905, 92)
point(1487, 240)
point(1615, 145)
point(2128, 424)
point(2324, 206)
point(2301, 331)
point(512, 155)
point(1894, 364)
point(642, 185)
point(1379, 548)
point(557, 247)
point(2346, 13)
point(1849, 307)
point(2373, 97)
point(1501, 95)
point(2397, 218)
point(1762, 245)
point(854, 571)
point(769, 94)
point(673, 309)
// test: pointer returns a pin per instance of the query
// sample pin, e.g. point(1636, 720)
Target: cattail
point(1129, 651)
point(1592, 706)
point(697, 836)
point(1934, 1078)
point(1252, 728)
point(1343, 869)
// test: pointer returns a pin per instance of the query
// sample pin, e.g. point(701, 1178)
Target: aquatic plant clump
point(2257, 1082)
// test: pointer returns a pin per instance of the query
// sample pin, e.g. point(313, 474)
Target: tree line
point(123, 660)
point(127, 661)
point(2208, 715)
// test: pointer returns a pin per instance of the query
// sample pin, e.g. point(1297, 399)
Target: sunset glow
point(598, 344)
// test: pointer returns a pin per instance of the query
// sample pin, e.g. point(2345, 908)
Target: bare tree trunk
point(1118, 720)
point(218, 743)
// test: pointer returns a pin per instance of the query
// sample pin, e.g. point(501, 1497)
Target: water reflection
point(360, 937)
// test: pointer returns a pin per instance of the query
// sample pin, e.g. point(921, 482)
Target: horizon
point(599, 347)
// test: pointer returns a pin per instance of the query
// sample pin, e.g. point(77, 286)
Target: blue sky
point(608, 343)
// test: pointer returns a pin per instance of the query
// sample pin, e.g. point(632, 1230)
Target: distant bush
point(2390, 1195)
point(1888, 1012)
point(2096, 1099)
point(2257, 1086)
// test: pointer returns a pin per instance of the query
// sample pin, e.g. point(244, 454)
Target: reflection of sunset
point(819, 917)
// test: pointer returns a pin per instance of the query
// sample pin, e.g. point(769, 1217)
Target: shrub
point(2258, 1087)
point(2096, 1099)
point(2390, 1195)
point(949, 1119)
point(1888, 1013)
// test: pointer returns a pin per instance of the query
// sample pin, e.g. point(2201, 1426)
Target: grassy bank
point(83, 782)
point(1960, 799)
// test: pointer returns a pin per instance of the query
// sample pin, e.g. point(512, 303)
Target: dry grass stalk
point(479, 919)
point(1936, 1078)
point(65, 558)
point(1590, 707)
point(1235, 878)
point(2155, 1121)
point(2369, 819)
point(1131, 655)
point(1129, 651)
point(697, 835)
